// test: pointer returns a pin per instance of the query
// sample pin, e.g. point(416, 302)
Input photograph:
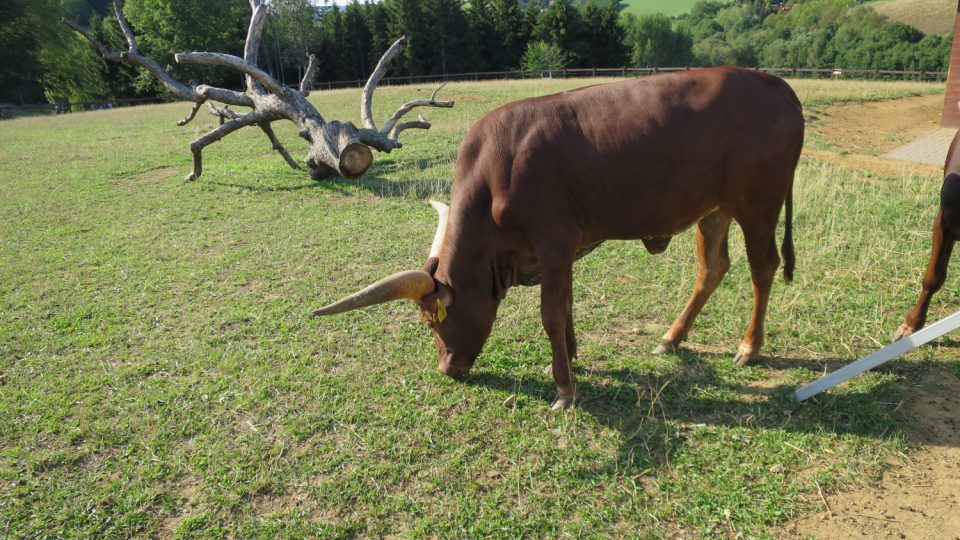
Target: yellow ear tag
point(441, 311)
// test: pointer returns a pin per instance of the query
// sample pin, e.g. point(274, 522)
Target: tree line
point(39, 58)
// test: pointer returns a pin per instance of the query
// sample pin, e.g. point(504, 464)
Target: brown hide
point(542, 181)
point(946, 231)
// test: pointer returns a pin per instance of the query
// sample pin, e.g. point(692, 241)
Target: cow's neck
point(466, 259)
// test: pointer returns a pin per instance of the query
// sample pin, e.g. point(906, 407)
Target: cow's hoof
point(563, 402)
point(665, 347)
point(901, 332)
point(548, 369)
point(744, 357)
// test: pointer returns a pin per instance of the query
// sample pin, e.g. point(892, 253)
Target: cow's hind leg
point(713, 263)
point(764, 261)
point(932, 280)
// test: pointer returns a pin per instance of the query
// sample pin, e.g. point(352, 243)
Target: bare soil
point(916, 498)
point(859, 134)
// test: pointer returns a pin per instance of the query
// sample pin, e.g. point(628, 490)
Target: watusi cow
point(541, 182)
point(946, 231)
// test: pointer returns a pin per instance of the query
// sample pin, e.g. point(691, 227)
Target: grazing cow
point(946, 231)
point(541, 182)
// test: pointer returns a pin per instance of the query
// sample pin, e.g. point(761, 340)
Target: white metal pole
point(918, 338)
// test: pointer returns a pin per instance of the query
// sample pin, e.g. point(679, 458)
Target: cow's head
point(459, 317)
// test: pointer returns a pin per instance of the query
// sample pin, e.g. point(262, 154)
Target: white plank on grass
point(895, 349)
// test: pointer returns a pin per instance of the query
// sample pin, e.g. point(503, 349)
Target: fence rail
point(875, 74)
point(10, 111)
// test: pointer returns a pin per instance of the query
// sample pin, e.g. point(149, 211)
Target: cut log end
point(355, 159)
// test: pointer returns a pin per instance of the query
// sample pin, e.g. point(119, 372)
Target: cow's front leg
point(933, 279)
point(556, 299)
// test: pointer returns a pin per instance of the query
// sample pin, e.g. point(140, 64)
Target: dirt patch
point(919, 498)
point(857, 134)
point(185, 493)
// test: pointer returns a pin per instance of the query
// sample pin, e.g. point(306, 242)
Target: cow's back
point(640, 158)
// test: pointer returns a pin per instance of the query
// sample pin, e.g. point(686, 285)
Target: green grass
point(160, 372)
point(929, 16)
point(670, 8)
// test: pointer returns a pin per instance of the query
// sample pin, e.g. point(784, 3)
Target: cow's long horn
point(442, 210)
point(412, 284)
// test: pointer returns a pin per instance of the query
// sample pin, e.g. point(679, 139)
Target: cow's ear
point(431, 265)
point(437, 302)
point(444, 294)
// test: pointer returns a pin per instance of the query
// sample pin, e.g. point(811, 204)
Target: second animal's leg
point(556, 299)
point(713, 262)
point(932, 280)
point(764, 261)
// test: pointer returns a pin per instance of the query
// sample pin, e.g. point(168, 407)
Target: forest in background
point(40, 59)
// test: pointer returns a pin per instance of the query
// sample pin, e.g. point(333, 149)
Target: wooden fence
point(11, 111)
point(868, 74)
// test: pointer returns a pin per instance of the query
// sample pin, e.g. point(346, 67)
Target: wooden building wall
point(951, 113)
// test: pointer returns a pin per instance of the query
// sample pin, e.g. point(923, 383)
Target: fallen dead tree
point(335, 147)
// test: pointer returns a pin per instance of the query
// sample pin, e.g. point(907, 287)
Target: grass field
point(928, 16)
point(160, 373)
point(670, 8)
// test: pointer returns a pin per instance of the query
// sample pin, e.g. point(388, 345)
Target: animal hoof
point(902, 332)
point(664, 347)
point(562, 402)
point(743, 358)
point(548, 369)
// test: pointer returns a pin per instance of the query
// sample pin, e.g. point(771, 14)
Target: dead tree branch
point(335, 147)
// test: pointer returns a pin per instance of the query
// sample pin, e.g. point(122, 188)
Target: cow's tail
point(789, 259)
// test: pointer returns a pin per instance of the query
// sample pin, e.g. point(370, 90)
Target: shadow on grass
point(375, 181)
point(656, 412)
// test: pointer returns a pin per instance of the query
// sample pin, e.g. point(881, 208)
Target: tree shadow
point(378, 181)
point(655, 412)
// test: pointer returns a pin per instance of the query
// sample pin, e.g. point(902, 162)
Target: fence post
point(593, 72)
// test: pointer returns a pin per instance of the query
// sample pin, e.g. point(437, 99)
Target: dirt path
point(917, 499)
point(859, 134)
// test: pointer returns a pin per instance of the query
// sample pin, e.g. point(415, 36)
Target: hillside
point(667, 7)
point(929, 16)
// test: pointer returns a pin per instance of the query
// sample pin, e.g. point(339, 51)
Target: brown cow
point(540, 182)
point(946, 231)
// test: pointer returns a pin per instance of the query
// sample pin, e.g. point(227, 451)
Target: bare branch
point(410, 105)
point(229, 60)
point(265, 126)
point(366, 99)
point(223, 95)
point(307, 81)
point(125, 26)
point(109, 54)
point(220, 132)
point(252, 46)
point(420, 124)
point(193, 113)
point(223, 113)
point(135, 58)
